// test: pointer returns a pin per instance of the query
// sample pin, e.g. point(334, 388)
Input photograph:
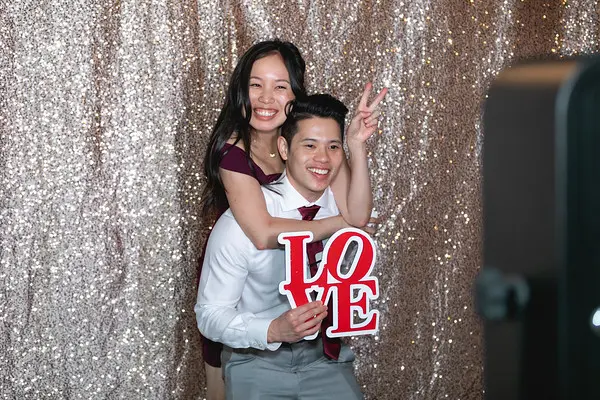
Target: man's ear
point(282, 146)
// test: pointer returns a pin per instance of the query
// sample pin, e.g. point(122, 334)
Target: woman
point(242, 155)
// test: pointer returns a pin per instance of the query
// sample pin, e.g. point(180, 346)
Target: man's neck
point(309, 196)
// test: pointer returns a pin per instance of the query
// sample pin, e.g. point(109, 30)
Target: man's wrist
point(271, 336)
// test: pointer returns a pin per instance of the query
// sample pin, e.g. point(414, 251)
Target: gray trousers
point(296, 371)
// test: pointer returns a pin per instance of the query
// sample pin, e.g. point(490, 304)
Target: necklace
point(272, 155)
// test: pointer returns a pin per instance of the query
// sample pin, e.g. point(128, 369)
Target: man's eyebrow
point(316, 140)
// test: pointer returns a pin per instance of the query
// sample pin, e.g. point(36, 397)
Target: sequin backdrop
point(105, 108)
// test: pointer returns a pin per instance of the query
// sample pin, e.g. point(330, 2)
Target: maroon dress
point(235, 160)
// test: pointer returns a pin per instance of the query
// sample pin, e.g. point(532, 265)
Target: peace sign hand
point(364, 122)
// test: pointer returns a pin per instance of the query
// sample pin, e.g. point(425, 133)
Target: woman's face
point(269, 92)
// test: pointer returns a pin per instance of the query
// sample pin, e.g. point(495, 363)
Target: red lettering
point(350, 292)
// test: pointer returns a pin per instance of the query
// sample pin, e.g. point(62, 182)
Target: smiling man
point(239, 304)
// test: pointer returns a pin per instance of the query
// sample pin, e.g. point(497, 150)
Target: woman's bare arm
point(352, 186)
point(249, 208)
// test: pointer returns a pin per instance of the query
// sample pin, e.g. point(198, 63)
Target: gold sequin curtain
point(105, 109)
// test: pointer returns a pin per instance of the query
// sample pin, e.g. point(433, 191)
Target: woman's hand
point(364, 122)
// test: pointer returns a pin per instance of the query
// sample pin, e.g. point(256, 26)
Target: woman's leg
point(215, 386)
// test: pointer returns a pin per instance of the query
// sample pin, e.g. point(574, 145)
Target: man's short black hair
point(316, 105)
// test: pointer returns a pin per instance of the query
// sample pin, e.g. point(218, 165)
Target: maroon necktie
point(331, 346)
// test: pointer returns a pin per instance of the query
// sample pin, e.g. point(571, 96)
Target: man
point(265, 355)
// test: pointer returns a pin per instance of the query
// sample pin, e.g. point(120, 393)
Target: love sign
point(349, 292)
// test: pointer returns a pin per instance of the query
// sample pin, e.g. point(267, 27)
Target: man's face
point(314, 157)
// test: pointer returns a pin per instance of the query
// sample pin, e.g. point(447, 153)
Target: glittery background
point(105, 108)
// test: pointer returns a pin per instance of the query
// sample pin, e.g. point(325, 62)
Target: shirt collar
point(293, 200)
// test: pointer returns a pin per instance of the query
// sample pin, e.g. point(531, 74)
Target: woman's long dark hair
point(236, 113)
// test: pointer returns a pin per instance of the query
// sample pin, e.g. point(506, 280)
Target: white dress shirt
point(238, 296)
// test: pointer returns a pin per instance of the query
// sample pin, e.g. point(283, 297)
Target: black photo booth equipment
point(539, 289)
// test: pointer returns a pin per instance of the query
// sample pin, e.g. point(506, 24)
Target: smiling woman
point(270, 91)
point(242, 155)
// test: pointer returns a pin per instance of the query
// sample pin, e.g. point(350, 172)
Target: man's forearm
point(234, 329)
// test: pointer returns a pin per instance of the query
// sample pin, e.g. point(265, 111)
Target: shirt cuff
point(257, 333)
